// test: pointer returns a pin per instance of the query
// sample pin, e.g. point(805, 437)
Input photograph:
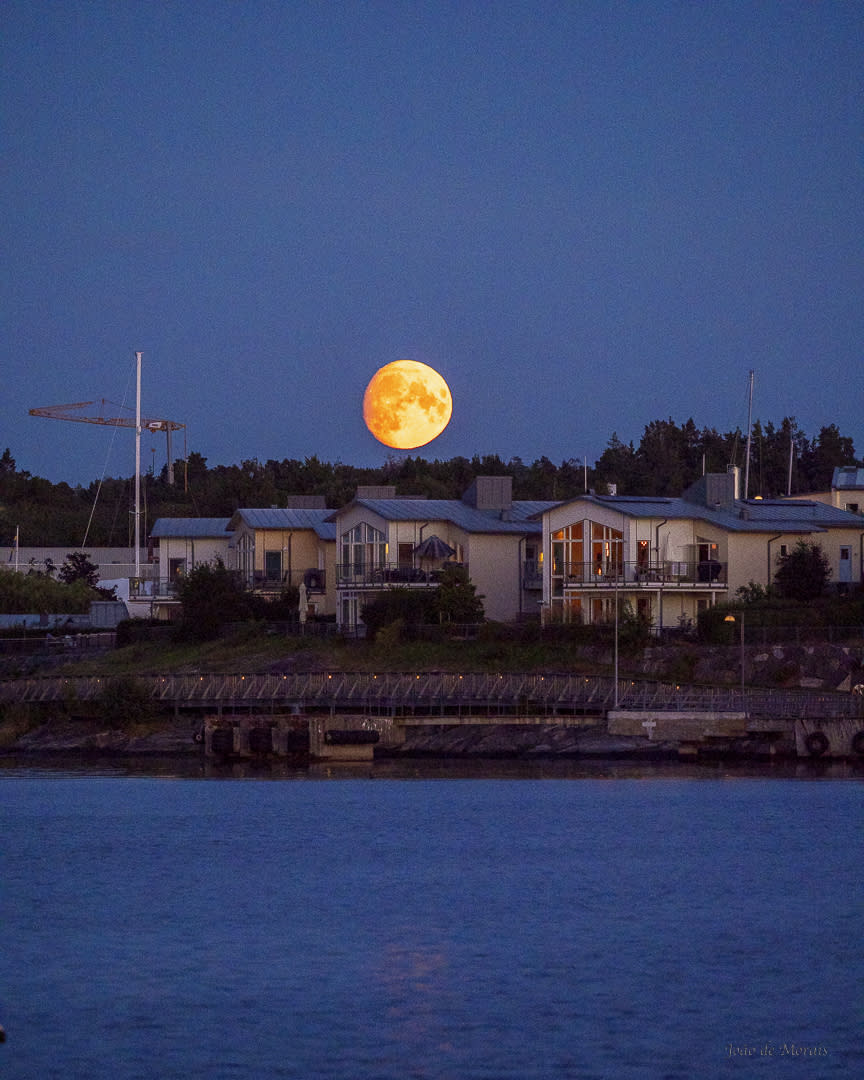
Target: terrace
point(363, 575)
point(702, 574)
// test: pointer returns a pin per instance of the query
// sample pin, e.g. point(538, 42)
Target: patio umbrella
point(433, 547)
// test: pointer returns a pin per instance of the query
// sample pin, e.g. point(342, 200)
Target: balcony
point(706, 574)
point(153, 588)
point(258, 581)
point(355, 575)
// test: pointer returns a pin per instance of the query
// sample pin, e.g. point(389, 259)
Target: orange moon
point(407, 404)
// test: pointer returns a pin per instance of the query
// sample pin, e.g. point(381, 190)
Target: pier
point(386, 706)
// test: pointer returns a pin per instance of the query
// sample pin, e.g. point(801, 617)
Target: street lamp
point(615, 692)
point(732, 619)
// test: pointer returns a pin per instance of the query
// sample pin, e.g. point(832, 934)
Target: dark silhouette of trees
point(802, 573)
point(668, 458)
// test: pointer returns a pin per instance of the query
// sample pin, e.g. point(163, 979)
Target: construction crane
point(67, 412)
point(98, 412)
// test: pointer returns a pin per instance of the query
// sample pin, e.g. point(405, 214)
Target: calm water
point(361, 928)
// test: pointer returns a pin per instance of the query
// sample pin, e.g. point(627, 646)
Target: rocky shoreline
point(179, 738)
point(817, 667)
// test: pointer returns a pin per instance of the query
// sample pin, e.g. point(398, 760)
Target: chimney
point(722, 489)
point(490, 493)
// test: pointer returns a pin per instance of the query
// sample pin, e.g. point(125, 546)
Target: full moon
point(407, 404)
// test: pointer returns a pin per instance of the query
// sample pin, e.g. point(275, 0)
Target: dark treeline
point(668, 458)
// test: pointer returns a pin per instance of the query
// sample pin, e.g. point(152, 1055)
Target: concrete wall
point(113, 562)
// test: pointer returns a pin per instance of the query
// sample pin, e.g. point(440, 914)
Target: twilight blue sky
point(586, 215)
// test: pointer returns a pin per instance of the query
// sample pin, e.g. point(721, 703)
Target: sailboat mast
point(749, 436)
point(138, 466)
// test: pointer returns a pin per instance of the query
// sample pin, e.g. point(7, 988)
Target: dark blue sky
point(585, 215)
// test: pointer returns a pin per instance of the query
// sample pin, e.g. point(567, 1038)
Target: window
point(606, 544)
point(273, 565)
point(567, 552)
point(363, 549)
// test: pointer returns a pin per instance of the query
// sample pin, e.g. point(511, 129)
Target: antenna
point(749, 436)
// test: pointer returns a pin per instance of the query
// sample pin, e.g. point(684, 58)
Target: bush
point(125, 701)
point(803, 573)
point(409, 607)
point(211, 596)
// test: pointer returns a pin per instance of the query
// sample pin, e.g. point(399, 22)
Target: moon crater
point(407, 404)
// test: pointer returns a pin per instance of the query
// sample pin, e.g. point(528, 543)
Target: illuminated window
point(363, 548)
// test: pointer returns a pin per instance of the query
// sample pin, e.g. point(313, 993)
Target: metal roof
point(848, 477)
point(290, 518)
point(190, 527)
point(750, 515)
point(521, 517)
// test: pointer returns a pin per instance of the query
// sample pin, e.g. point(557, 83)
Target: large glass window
point(568, 552)
point(363, 548)
point(606, 544)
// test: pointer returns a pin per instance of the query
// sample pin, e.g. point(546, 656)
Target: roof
point(190, 527)
point(746, 515)
point(290, 518)
point(848, 478)
point(521, 517)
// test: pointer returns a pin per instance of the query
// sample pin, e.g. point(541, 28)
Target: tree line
point(668, 457)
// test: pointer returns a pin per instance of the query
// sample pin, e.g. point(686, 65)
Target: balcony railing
point(707, 573)
point(153, 588)
point(313, 579)
point(361, 575)
point(167, 588)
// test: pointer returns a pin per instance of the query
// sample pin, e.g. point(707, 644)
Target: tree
point(79, 567)
point(31, 593)
point(828, 450)
point(456, 598)
point(210, 596)
point(617, 465)
point(399, 606)
point(802, 573)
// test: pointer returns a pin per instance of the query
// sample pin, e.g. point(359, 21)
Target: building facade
point(669, 558)
point(388, 542)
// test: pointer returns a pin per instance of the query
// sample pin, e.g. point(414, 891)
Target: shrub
point(125, 701)
point(210, 596)
point(803, 573)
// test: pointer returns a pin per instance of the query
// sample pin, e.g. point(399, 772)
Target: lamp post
point(740, 621)
point(615, 692)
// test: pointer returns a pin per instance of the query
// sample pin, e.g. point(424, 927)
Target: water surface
point(506, 927)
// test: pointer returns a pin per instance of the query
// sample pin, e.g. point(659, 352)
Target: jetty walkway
point(437, 694)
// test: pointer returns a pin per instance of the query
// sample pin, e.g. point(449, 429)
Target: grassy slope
point(256, 652)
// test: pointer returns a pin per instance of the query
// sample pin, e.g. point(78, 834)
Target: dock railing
point(443, 693)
